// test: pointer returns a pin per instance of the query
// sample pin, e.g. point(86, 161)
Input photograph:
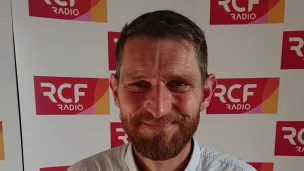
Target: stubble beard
point(160, 146)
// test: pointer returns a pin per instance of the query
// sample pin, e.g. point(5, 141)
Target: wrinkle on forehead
point(154, 56)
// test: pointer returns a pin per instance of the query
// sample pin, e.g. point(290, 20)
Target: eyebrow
point(171, 75)
point(136, 75)
point(189, 78)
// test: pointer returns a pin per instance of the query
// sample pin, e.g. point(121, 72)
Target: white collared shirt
point(121, 158)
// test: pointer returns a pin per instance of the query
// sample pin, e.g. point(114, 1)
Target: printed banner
point(118, 135)
point(293, 50)
point(2, 156)
point(112, 40)
point(262, 166)
point(71, 95)
point(289, 138)
point(246, 11)
point(58, 168)
point(245, 96)
point(81, 10)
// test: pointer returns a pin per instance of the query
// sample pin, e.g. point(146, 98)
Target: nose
point(158, 101)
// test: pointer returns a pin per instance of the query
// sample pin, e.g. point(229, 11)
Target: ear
point(208, 90)
point(114, 88)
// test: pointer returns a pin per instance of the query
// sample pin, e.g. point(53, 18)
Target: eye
point(176, 85)
point(138, 86)
point(141, 84)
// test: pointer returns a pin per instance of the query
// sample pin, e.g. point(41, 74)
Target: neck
point(177, 163)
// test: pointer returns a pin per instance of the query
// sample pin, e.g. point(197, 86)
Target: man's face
point(160, 95)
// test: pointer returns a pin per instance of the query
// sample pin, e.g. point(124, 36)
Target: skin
point(160, 77)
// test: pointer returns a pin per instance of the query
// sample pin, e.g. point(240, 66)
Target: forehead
point(146, 54)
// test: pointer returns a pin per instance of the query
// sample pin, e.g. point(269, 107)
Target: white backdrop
point(10, 141)
point(79, 49)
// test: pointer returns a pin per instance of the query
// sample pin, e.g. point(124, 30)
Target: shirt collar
point(195, 157)
point(130, 159)
point(192, 165)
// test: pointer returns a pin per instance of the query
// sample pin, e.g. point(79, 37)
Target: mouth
point(158, 125)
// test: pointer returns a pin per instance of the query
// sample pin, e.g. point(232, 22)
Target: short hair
point(165, 24)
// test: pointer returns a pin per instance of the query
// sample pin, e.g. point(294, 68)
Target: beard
point(161, 145)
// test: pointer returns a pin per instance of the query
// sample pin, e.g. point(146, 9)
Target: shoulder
point(102, 161)
point(223, 161)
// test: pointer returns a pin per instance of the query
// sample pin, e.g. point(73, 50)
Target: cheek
point(129, 102)
point(187, 104)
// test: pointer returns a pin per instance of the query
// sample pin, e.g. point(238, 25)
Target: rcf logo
point(112, 40)
point(2, 157)
point(293, 50)
point(245, 96)
point(262, 166)
point(289, 138)
point(70, 96)
point(59, 168)
point(246, 11)
point(89, 10)
point(118, 135)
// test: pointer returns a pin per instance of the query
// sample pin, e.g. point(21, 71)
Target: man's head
point(161, 83)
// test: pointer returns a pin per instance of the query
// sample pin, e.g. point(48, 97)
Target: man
point(160, 86)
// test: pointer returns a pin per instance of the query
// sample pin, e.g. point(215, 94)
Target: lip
point(157, 126)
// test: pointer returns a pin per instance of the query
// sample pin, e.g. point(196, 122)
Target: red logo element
point(112, 40)
point(289, 138)
point(59, 168)
point(88, 10)
point(70, 96)
point(2, 155)
point(245, 96)
point(118, 135)
point(293, 50)
point(262, 166)
point(246, 11)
